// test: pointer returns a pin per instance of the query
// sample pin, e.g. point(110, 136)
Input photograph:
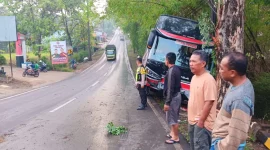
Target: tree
point(229, 34)
point(137, 17)
point(35, 19)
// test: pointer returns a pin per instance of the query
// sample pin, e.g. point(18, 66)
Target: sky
point(100, 6)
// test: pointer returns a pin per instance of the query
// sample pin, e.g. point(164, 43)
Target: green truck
point(110, 52)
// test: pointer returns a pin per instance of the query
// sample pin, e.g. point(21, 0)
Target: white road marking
point(111, 69)
point(95, 84)
point(63, 105)
point(105, 74)
point(101, 67)
point(24, 93)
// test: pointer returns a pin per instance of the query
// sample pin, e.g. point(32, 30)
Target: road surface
point(73, 114)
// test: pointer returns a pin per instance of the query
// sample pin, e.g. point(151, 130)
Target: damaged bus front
point(178, 35)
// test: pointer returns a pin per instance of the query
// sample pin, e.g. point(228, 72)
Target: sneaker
point(141, 108)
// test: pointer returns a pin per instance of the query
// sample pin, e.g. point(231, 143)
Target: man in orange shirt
point(202, 102)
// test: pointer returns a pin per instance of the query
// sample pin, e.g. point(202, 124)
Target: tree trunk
point(229, 34)
point(39, 47)
point(65, 21)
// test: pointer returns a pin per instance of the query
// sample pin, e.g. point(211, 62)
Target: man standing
point(173, 97)
point(233, 120)
point(202, 102)
point(140, 83)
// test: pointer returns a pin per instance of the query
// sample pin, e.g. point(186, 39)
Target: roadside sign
point(70, 52)
point(59, 52)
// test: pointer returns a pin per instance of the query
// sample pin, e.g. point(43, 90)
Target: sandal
point(169, 136)
point(171, 141)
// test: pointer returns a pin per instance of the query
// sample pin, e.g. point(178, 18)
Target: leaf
point(115, 130)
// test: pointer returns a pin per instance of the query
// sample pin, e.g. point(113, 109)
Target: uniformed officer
point(140, 83)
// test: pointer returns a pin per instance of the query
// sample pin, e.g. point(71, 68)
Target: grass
point(132, 58)
point(30, 55)
point(183, 128)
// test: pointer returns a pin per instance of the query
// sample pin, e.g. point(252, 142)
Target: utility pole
point(10, 60)
point(88, 26)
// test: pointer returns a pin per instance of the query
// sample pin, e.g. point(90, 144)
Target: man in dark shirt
point(173, 97)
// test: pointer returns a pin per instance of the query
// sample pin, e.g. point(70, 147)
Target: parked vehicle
point(73, 64)
point(122, 38)
point(110, 52)
point(178, 35)
point(43, 69)
point(43, 66)
point(31, 72)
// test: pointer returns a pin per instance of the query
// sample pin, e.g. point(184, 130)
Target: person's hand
point(200, 124)
point(142, 86)
point(166, 107)
point(137, 86)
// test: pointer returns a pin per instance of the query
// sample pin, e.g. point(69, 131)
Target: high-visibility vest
point(140, 71)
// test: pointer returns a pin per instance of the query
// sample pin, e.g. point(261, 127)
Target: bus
point(173, 34)
point(110, 52)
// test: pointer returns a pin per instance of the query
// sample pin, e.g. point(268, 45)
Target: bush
point(262, 96)
point(3, 60)
point(33, 60)
point(49, 66)
point(45, 59)
point(2, 51)
point(80, 55)
point(62, 67)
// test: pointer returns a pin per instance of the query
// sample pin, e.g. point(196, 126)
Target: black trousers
point(143, 95)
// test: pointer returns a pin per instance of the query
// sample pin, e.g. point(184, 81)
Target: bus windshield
point(165, 46)
point(110, 52)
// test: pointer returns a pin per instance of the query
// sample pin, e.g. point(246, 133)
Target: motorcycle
point(30, 72)
point(73, 66)
point(43, 69)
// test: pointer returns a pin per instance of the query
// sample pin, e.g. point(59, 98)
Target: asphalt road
point(73, 114)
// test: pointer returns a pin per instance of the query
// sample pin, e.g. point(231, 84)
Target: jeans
point(200, 138)
point(214, 145)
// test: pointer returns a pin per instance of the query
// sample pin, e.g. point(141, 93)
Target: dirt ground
point(21, 84)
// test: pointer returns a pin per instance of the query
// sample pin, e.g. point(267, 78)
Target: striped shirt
point(233, 120)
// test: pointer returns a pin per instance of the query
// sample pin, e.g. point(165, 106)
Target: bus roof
point(110, 46)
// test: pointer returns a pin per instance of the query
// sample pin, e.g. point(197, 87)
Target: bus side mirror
point(151, 38)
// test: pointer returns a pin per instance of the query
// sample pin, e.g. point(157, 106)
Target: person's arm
point(238, 126)
point(205, 112)
point(170, 90)
point(210, 96)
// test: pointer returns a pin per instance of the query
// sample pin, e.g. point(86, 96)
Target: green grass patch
point(30, 56)
point(183, 129)
point(112, 129)
point(132, 58)
point(62, 67)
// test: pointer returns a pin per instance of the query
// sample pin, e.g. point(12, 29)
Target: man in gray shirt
point(231, 126)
